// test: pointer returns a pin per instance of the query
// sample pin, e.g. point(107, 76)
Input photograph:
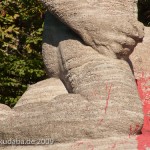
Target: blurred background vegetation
point(21, 27)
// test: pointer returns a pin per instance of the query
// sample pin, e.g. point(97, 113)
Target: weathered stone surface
point(70, 117)
point(110, 27)
point(5, 111)
point(43, 91)
point(141, 66)
point(141, 56)
point(61, 117)
point(99, 79)
point(66, 118)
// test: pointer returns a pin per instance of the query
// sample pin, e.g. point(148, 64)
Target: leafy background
point(21, 27)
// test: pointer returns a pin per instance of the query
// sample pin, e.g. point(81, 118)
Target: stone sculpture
point(86, 46)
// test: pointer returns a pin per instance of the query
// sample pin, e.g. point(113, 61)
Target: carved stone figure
point(86, 46)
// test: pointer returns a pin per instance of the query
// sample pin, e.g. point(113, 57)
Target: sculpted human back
point(87, 48)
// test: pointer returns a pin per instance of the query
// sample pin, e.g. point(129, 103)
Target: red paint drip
point(108, 97)
point(108, 89)
point(144, 93)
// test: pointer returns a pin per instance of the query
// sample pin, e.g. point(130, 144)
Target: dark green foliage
point(144, 11)
point(21, 26)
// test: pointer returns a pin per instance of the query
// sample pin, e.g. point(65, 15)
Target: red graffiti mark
point(114, 146)
point(133, 131)
point(81, 145)
point(143, 142)
point(144, 93)
point(143, 89)
point(117, 144)
point(108, 89)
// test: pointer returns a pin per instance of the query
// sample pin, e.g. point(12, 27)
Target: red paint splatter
point(114, 146)
point(118, 144)
point(133, 131)
point(144, 93)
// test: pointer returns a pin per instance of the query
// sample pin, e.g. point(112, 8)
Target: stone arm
point(110, 27)
point(86, 49)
